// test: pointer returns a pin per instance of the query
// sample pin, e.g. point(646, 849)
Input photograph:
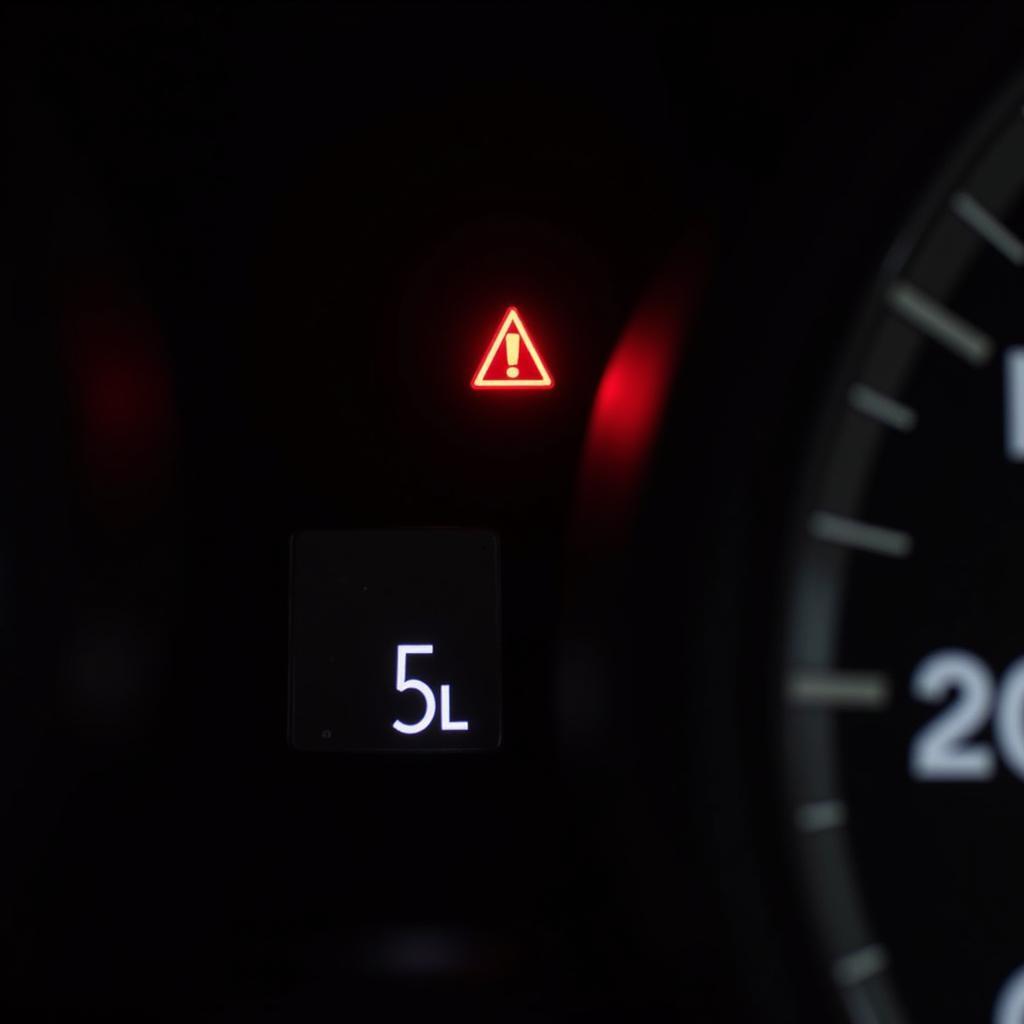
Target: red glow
point(504, 365)
point(631, 398)
point(121, 387)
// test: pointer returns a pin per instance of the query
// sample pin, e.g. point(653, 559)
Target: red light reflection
point(120, 388)
point(631, 398)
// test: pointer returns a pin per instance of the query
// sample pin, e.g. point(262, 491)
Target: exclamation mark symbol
point(512, 352)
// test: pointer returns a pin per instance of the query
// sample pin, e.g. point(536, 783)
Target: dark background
point(256, 253)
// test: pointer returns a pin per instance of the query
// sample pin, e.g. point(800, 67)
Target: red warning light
point(512, 360)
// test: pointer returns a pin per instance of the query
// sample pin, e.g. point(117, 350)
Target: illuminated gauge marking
point(1013, 402)
point(881, 408)
point(1010, 1004)
point(941, 324)
point(907, 820)
point(997, 234)
point(821, 816)
point(861, 690)
point(852, 533)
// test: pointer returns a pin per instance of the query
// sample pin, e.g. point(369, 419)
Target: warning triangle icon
point(512, 359)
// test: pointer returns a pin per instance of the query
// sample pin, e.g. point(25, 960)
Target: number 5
point(402, 684)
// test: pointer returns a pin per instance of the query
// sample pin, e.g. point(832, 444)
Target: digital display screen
point(395, 640)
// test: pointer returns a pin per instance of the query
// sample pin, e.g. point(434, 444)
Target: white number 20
point(947, 748)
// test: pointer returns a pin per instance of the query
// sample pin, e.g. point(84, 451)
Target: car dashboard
point(512, 513)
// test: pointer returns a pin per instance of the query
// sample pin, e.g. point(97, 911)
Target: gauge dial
point(903, 691)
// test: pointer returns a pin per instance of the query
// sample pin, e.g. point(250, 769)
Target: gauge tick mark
point(989, 227)
point(856, 968)
point(862, 691)
point(869, 402)
point(852, 533)
point(821, 815)
point(940, 324)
